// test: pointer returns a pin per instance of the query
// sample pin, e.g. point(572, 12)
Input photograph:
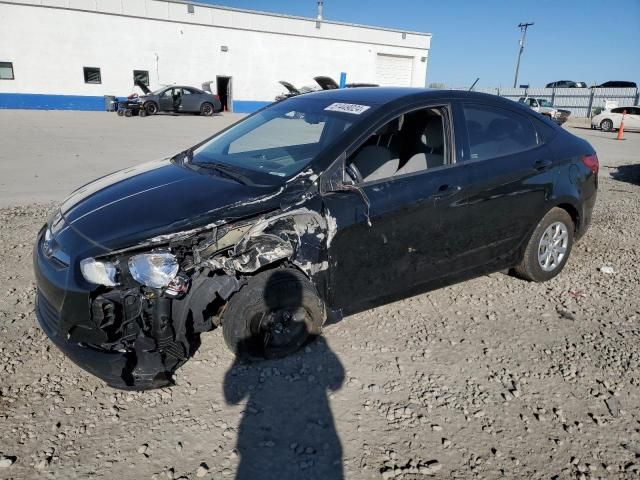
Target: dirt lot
point(490, 378)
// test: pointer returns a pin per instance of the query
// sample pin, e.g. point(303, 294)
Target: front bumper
point(114, 368)
point(63, 312)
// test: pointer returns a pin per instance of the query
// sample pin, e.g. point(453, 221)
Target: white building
point(68, 54)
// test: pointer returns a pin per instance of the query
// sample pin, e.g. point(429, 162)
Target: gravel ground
point(490, 378)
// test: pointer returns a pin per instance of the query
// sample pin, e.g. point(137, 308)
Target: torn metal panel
point(332, 227)
point(297, 235)
point(263, 250)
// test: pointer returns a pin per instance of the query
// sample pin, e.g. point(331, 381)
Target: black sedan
point(319, 205)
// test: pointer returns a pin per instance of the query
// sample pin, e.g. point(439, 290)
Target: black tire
point(143, 112)
point(206, 109)
point(120, 112)
point(606, 125)
point(128, 112)
point(151, 108)
point(273, 315)
point(531, 268)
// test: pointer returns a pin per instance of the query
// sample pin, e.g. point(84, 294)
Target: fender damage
point(152, 333)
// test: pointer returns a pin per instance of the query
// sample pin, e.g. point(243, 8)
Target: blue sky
point(582, 40)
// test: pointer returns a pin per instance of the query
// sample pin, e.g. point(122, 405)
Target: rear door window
point(497, 132)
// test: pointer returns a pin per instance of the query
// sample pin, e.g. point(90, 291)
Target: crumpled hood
point(133, 205)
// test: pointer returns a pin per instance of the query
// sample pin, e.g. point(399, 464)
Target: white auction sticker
point(347, 108)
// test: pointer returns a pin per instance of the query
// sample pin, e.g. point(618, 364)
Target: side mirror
point(333, 178)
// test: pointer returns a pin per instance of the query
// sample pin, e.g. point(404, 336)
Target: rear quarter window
point(496, 132)
point(545, 131)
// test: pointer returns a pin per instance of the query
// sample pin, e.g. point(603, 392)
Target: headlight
point(155, 270)
point(100, 273)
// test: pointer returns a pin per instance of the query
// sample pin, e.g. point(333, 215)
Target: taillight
point(591, 162)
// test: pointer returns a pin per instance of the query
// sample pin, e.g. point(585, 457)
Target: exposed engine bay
point(155, 311)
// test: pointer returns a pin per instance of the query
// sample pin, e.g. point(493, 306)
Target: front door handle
point(541, 165)
point(445, 191)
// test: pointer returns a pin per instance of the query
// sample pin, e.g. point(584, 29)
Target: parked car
point(546, 108)
point(325, 83)
point(293, 91)
point(616, 84)
point(269, 227)
point(566, 84)
point(609, 120)
point(181, 99)
point(328, 83)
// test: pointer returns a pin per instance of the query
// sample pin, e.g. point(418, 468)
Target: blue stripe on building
point(248, 106)
point(33, 101)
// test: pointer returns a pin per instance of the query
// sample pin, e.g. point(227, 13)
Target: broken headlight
point(99, 272)
point(155, 270)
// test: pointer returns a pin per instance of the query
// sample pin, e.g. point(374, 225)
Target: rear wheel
point(128, 112)
point(120, 112)
point(273, 315)
point(549, 247)
point(606, 125)
point(206, 109)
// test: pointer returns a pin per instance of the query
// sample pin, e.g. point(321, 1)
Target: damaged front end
point(148, 305)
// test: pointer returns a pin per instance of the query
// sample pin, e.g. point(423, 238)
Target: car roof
point(181, 86)
point(384, 95)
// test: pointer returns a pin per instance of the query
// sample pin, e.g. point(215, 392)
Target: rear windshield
point(281, 140)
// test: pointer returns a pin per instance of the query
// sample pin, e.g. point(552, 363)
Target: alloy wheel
point(553, 246)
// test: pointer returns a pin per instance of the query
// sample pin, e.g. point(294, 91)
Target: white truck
point(545, 107)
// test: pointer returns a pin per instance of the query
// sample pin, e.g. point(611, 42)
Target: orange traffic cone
point(621, 129)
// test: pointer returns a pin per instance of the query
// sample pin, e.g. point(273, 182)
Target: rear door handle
point(541, 165)
point(446, 191)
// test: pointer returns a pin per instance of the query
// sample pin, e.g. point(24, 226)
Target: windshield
point(281, 140)
point(545, 103)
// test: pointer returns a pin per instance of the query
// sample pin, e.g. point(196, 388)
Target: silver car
point(179, 99)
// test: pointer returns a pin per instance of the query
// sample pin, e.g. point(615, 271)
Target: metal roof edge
point(295, 17)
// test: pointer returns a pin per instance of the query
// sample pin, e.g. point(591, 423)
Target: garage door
point(394, 70)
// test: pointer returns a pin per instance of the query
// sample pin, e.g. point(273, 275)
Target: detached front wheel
point(549, 247)
point(273, 315)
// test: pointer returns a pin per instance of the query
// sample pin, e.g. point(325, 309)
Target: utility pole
point(523, 34)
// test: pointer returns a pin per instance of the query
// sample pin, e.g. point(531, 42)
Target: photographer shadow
point(287, 430)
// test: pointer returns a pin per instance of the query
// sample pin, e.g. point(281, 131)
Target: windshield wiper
point(226, 170)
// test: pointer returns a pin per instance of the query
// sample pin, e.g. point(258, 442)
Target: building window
point(191, 9)
point(92, 75)
point(6, 71)
point(141, 76)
